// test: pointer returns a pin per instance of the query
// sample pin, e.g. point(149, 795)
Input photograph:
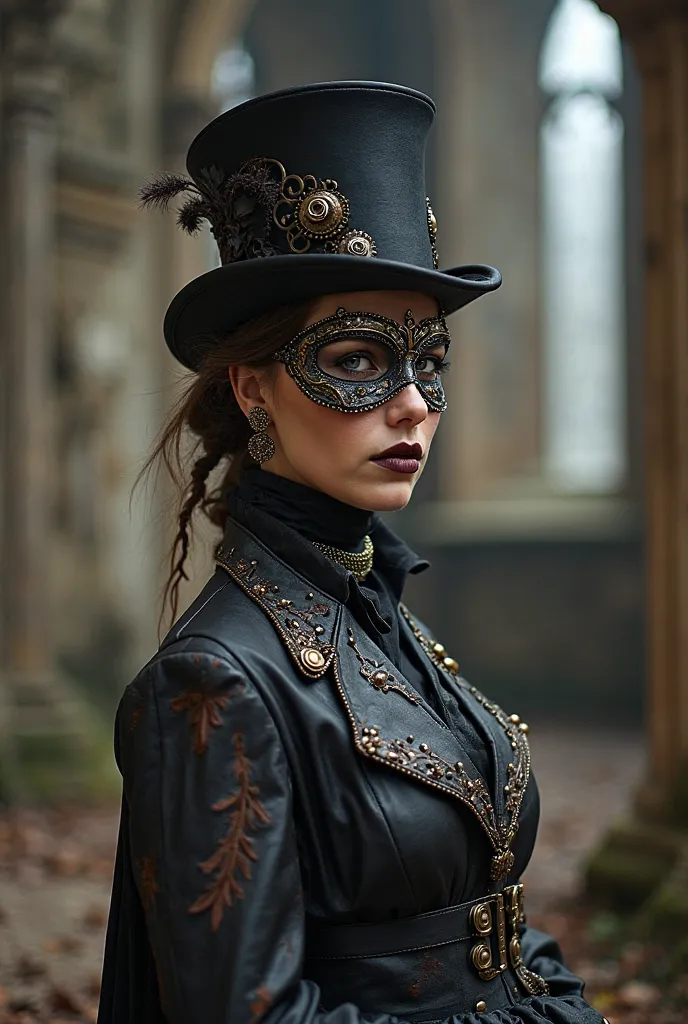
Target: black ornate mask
point(397, 355)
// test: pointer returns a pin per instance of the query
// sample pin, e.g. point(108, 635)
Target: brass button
point(312, 658)
point(480, 1006)
point(481, 957)
point(481, 918)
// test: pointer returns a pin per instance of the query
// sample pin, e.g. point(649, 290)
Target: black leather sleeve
point(542, 954)
point(214, 855)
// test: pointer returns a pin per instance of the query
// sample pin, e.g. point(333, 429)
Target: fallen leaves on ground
point(57, 979)
point(37, 843)
point(61, 851)
point(629, 982)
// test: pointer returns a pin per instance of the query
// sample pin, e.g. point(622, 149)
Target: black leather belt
point(326, 941)
point(467, 954)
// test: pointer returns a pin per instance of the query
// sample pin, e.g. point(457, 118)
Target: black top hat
point(310, 191)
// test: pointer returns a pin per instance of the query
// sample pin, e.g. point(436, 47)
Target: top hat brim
point(218, 302)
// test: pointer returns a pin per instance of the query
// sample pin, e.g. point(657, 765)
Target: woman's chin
point(389, 496)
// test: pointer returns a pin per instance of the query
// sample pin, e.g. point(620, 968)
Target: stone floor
point(55, 870)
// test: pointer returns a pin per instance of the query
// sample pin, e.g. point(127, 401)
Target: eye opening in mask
point(355, 361)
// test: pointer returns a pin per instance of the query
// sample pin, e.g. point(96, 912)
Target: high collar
point(275, 523)
point(315, 515)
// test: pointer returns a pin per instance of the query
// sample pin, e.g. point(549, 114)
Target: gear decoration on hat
point(310, 213)
point(243, 208)
point(311, 210)
point(356, 243)
point(432, 231)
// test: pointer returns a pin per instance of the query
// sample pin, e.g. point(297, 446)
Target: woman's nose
point(408, 404)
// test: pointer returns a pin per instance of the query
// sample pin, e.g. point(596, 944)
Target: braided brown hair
point(208, 410)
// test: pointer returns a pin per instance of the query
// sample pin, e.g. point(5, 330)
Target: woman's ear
point(247, 388)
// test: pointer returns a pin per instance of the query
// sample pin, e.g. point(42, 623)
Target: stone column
point(30, 96)
point(43, 730)
point(641, 860)
point(29, 144)
point(487, 149)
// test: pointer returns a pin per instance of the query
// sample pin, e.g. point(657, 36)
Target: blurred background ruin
point(555, 509)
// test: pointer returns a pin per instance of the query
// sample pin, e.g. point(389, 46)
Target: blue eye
point(437, 365)
point(360, 365)
point(353, 360)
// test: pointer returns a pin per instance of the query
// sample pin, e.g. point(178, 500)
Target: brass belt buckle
point(508, 911)
point(483, 924)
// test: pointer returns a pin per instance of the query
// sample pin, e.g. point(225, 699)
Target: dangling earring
point(261, 447)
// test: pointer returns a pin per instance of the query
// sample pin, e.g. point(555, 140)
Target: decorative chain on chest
point(358, 562)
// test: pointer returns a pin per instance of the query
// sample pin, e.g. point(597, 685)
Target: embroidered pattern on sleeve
point(135, 716)
point(148, 881)
point(261, 1004)
point(202, 705)
point(236, 849)
point(203, 714)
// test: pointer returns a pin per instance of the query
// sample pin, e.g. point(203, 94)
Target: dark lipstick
point(401, 458)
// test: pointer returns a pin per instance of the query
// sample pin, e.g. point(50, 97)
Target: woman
point(322, 822)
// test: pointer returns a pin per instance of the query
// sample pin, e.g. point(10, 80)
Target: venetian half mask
point(398, 354)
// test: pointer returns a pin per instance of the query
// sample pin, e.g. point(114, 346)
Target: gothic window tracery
point(582, 141)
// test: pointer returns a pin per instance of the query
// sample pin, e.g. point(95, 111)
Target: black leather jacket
point(298, 821)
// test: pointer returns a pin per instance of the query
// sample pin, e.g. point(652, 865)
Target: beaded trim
point(358, 562)
point(307, 631)
point(501, 833)
point(379, 677)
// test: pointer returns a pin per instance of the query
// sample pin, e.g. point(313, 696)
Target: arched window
point(583, 244)
point(233, 78)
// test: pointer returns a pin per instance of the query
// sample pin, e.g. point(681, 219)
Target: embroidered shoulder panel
point(306, 622)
